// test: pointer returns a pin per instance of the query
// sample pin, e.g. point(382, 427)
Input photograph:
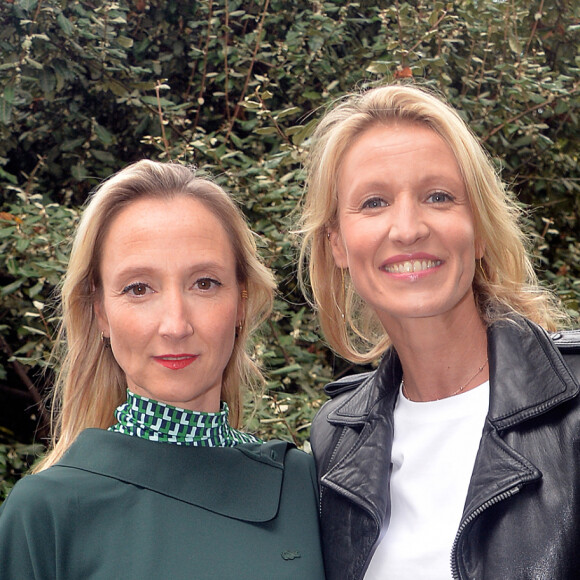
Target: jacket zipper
point(470, 518)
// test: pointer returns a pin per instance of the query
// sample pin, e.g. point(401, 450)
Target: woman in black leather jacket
point(459, 456)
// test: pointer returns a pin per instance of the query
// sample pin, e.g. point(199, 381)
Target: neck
point(441, 356)
point(156, 421)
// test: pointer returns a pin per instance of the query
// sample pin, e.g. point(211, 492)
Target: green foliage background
point(236, 87)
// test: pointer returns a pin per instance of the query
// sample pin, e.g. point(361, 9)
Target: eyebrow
point(436, 180)
point(145, 270)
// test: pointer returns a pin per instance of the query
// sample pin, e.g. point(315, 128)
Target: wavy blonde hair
point(504, 279)
point(90, 385)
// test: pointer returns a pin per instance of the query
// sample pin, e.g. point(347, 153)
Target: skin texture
point(170, 300)
point(406, 234)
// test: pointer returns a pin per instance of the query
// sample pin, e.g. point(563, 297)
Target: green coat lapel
point(257, 470)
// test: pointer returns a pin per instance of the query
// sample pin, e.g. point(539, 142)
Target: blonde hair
point(90, 385)
point(504, 279)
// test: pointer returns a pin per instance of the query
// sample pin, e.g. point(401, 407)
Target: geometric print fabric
point(149, 419)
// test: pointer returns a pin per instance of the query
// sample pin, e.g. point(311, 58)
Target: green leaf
point(515, 44)
point(377, 68)
point(266, 131)
point(47, 80)
point(11, 288)
point(285, 370)
point(8, 94)
point(103, 134)
point(116, 87)
point(72, 144)
point(27, 5)
point(103, 156)
point(5, 111)
point(65, 24)
point(125, 41)
point(286, 112)
point(33, 330)
point(22, 244)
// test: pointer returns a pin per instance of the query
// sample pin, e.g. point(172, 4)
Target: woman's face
point(170, 300)
point(405, 229)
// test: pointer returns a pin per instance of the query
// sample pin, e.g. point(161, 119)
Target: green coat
point(118, 507)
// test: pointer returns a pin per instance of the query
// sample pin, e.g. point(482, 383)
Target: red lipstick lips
point(175, 362)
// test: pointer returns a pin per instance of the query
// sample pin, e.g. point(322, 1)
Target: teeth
point(412, 266)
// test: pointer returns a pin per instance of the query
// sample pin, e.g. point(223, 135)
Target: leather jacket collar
point(528, 378)
point(516, 357)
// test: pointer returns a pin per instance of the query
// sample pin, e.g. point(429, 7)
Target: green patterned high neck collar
point(156, 421)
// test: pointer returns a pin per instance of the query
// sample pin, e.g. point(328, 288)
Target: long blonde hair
point(90, 384)
point(504, 278)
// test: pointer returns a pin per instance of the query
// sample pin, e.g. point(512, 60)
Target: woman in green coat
point(148, 475)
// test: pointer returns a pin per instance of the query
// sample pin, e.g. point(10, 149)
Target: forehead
point(397, 135)
point(392, 149)
point(166, 224)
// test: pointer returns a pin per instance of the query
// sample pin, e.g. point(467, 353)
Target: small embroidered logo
point(290, 555)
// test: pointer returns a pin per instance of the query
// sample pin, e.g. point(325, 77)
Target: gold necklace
point(452, 394)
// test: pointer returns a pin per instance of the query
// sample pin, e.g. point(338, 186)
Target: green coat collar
point(257, 470)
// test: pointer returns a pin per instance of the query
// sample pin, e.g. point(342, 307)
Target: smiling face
point(170, 300)
point(405, 229)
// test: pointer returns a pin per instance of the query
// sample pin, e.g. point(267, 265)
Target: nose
point(408, 224)
point(175, 317)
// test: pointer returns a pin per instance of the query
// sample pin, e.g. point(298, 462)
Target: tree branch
point(23, 376)
point(249, 74)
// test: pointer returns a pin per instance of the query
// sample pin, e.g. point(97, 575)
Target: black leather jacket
point(521, 518)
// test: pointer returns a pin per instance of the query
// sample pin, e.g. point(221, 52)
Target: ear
point(338, 249)
point(242, 298)
point(101, 316)
point(479, 248)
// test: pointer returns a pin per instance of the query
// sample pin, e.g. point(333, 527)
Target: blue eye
point(374, 203)
point(439, 197)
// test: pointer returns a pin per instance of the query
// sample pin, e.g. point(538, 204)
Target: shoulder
point(568, 343)
point(33, 516)
point(299, 468)
point(27, 518)
point(339, 392)
point(346, 384)
point(48, 492)
point(325, 432)
point(280, 453)
point(40, 485)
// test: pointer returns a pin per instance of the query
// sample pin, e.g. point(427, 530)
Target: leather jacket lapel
point(369, 414)
point(518, 359)
point(520, 356)
point(527, 379)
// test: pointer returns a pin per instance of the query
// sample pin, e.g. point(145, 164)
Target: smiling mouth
point(411, 266)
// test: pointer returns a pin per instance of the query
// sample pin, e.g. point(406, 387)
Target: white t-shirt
point(434, 449)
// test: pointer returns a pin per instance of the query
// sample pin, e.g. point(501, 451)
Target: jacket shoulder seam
point(566, 340)
point(346, 384)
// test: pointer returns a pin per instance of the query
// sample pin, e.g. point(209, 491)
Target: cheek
point(129, 325)
point(217, 320)
point(362, 244)
point(460, 235)
point(227, 318)
point(473, 246)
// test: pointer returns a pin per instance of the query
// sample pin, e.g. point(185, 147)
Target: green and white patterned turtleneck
point(149, 419)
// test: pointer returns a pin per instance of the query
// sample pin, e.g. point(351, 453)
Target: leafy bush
point(15, 459)
point(236, 88)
